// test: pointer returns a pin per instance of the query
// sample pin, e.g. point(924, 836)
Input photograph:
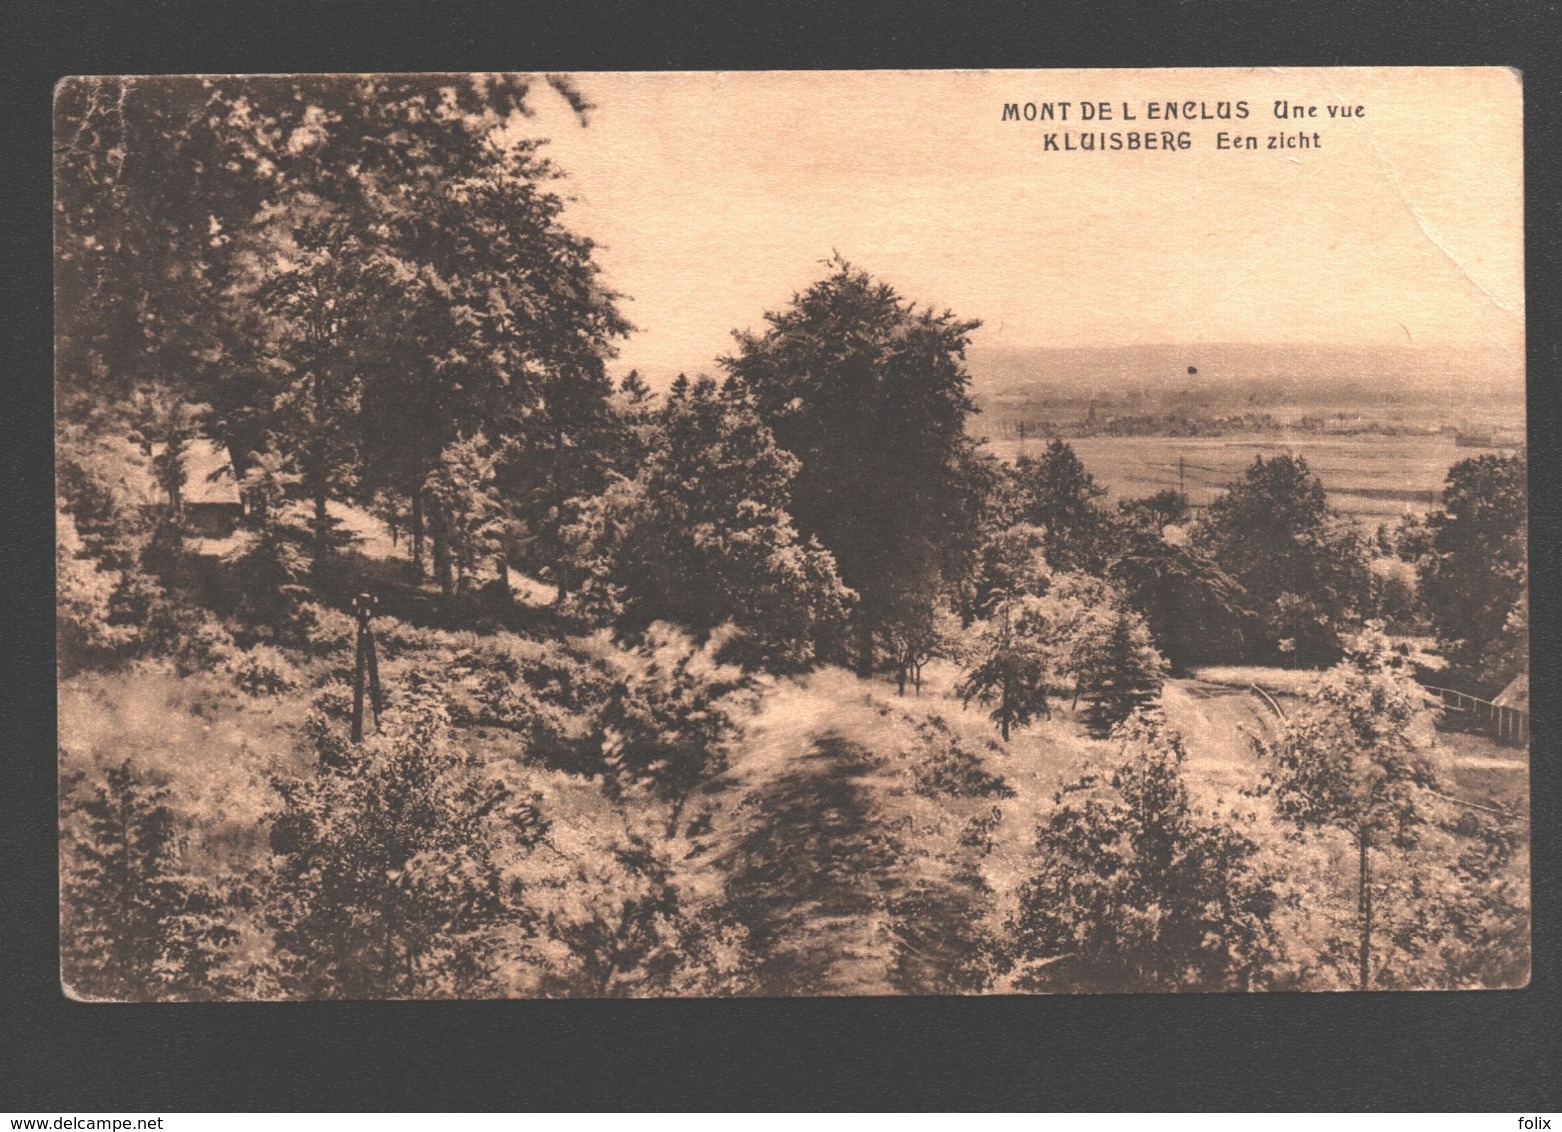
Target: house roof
point(208, 473)
point(1516, 694)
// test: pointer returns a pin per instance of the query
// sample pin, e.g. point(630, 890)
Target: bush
point(669, 714)
point(135, 925)
point(84, 593)
point(1138, 890)
point(388, 879)
point(263, 671)
point(191, 637)
point(948, 769)
point(325, 631)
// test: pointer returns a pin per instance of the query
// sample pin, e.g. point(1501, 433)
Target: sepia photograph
point(713, 534)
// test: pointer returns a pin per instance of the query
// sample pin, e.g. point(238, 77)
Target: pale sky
point(716, 195)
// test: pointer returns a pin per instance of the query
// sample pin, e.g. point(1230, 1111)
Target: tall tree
point(461, 488)
point(702, 536)
point(156, 176)
point(182, 200)
point(1475, 572)
point(1010, 562)
point(506, 329)
point(1056, 493)
point(870, 394)
point(1118, 672)
point(1303, 568)
point(1195, 610)
point(310, 294)
point(1357, 758)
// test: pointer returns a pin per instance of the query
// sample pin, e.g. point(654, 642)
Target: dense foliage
point(1303, 570)
point(592, 731)
point(870, 395)
point(1140, 891)
point(1474, 571)
point(1358, 758)
point(702, 536)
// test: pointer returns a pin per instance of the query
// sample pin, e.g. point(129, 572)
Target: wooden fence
point(1505, 724)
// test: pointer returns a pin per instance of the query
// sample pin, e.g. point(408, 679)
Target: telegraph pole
point(367, 664)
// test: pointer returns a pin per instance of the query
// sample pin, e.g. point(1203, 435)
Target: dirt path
point(810, 880)
point(1217, 723)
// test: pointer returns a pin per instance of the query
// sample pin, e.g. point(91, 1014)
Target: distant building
point(213, 505)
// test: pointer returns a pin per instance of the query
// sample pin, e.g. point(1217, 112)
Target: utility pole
point(367, 664)
point(1022, 440)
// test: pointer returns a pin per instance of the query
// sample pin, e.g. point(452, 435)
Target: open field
point(1374, 477)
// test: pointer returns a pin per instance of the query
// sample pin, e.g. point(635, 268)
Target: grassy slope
point(826, 752)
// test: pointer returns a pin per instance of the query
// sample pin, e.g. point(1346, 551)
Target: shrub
point(668, 715)
point(388, 881)
point(1137, 890)
point(135, 925)
point(263, 671)
point(948, 769)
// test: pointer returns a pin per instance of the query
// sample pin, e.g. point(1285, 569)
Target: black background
point(1495, 1051)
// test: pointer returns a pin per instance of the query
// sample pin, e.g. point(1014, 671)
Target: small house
point(1516, 694)
point(213, 505)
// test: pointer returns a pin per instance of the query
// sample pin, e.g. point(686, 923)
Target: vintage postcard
point(791, 533)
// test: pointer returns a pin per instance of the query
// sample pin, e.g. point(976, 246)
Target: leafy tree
point(1304, 570)
point(312, 292)
point(462, 489)
point(634, 406)
point(156, 176)
point(1007, 660)
point(268, 559)
point(702, 537)
point(620, 925)
point(1457, 916)
point(1157, 510)
point(1078, 612)
point(509, 331)
point(1138, 890)
point(668, 716)
point(1475, 572)
point(1194, 608)
point(1010, 562)
point(1057, 494)
point(1395, 598)
point(870, 395)
point(135, 924)
point(138, 231)
point(917, 630)
point(1356, 757)
point(1118, 671)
